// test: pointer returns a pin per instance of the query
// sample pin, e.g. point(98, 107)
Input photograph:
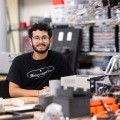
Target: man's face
point(40, 41)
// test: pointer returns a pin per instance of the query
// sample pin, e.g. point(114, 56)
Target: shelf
point(100, 53)
point(25, 29)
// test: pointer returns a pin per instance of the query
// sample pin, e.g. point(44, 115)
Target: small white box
point(76, 81)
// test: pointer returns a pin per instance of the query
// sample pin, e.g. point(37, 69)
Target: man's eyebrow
point(36, 36)
point(39, 36)
point(45, 35)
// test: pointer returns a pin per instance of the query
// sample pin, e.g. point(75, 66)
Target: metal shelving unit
point(100, 53)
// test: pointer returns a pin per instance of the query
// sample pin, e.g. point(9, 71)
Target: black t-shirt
point(35, 74)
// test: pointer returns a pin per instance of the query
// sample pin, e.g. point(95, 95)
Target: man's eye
point(36, 38)
point(43, 37)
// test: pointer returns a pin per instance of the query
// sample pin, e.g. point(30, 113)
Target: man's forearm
point(19, 92)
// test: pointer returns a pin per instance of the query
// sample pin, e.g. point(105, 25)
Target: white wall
point(13, 36)
point(39, 8)
point(28, 8)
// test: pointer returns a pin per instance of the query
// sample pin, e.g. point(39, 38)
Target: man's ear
point(30, 41)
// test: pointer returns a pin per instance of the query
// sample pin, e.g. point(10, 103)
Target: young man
point(30, 73)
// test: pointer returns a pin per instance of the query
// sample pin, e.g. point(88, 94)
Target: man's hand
point(44, 91)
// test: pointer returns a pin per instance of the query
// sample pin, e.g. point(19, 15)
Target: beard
point(41, 51)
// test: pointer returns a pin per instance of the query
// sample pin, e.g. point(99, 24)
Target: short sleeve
point(14, 72)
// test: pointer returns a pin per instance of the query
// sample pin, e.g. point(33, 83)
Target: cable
point(107, 114)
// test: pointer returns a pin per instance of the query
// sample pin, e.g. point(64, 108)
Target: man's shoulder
point(23, 56)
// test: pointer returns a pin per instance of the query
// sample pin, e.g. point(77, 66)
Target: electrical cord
point(117, 113)
point(105, 115)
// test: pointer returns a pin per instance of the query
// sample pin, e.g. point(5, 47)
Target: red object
point(96, 106)
point(22, 25)
point(57, 2)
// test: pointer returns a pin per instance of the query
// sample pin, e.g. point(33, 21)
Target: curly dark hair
point(40, 26)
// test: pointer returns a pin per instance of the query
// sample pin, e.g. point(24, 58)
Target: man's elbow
point(12, 92)
point(13, 89)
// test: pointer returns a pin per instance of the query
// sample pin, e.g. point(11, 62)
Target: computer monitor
point(67, 41)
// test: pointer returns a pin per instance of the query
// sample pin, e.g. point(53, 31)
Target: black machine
point(67, 41)
point(75, 103)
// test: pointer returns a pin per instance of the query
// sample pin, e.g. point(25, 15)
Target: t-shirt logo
point(40, 72)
